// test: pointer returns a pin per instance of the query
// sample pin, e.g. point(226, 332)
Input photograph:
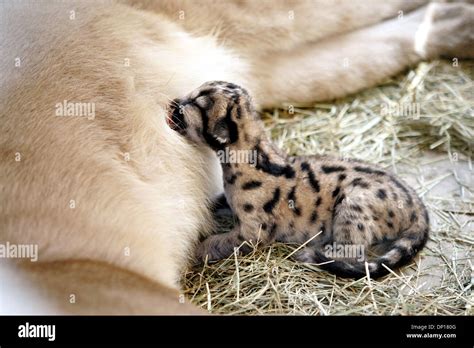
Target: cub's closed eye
point(221, 132)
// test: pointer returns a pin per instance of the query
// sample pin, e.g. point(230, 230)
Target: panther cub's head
point(215, 114)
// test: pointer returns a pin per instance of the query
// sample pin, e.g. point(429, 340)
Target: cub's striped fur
point(331, 203)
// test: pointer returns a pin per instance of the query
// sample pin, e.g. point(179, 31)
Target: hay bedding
point(419, 125)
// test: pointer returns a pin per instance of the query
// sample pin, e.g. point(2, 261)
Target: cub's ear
point(221, 132)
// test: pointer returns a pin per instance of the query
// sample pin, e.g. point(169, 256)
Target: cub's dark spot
point(291, 195)
point(297, 211)
point(305, 166)
point(413, 217)
point(341, 177)
point(391, 213)
point(389, 224)
point(319, 201)
point(368, 170)
point(314, 217)
point(332, 169)
point(360, 227)
point(248, 207)
point(312, 178)
point(264, 226)
point(250, 185)
point(336, 191)
point(264, 164)
point(356, 207)
point(268, 206)
point(381, 194)
point(232, 179)
point(231, 125)
point(230, 85)
point(359, 182)
point(402, 187)
point(339, 200)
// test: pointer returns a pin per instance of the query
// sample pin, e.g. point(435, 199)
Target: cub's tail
point(394, 254)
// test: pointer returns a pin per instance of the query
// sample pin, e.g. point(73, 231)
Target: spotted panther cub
point(326, 204)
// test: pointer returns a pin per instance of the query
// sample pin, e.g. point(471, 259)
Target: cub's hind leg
point(344, 240)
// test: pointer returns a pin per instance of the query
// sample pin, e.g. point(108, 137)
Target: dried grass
point(440, 281)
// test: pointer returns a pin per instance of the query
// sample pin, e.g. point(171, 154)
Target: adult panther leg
point(347, 63)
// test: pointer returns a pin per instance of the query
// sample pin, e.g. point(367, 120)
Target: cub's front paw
point(216, 247)
point(208, 250)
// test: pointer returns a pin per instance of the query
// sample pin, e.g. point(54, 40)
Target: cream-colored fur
point(121, 188)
